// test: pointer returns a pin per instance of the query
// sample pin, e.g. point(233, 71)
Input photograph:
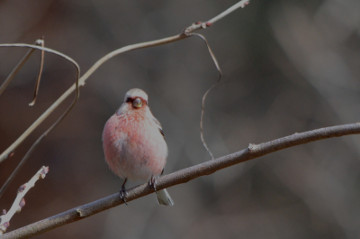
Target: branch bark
point(183, 176)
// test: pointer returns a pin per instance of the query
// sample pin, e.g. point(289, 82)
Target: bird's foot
point(123, 194)
point(152, 182)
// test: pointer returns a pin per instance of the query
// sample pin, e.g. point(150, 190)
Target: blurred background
point(289, 66)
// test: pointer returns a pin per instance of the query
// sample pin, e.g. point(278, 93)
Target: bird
point(134, 144)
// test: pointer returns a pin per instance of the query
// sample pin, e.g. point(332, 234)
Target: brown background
point(289, 66)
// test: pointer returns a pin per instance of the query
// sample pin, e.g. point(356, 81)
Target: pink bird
point(134, 144)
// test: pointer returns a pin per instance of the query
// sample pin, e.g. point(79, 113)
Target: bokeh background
point(289, 66)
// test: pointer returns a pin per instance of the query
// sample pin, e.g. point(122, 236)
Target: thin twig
point(19, 201)
point(14, 71)
point(37, 84)
point(183, 176)
point(240, 4)
point(204, 97)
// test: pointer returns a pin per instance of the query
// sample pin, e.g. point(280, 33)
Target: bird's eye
point(137, 103)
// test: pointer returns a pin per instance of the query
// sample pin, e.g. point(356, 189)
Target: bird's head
point(136, 98)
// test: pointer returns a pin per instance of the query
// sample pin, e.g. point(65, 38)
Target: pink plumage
point(133, 142)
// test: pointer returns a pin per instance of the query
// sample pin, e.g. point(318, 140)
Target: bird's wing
point(159, 126)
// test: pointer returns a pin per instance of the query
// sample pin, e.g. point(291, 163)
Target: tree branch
point(183, 176)
point(19, 201)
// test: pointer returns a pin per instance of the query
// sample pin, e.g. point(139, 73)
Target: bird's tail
point(164, 198)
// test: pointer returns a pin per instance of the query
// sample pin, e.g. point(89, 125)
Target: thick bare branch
point(183, 176)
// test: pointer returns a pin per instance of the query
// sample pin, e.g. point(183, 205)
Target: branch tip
point(245, 4)
point(39, 42)
point(44, 171)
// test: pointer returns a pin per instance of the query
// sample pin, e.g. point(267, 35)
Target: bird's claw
point(123, 194)
point(152, 182)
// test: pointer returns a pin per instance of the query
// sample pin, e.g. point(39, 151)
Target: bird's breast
point(134, 147)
